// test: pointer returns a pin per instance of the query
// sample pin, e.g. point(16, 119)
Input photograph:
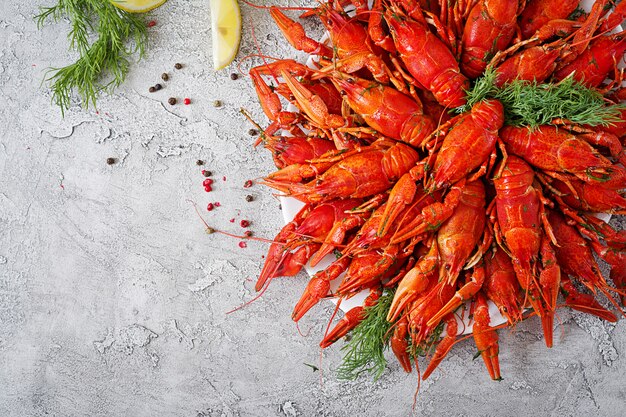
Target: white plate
point(291, 206)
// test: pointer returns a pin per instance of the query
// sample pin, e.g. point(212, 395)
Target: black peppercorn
point(152, 89)
point(234, 76)
point(249, 198)
point(172, 101)
point(199, 162)
point(158, 87)
point(178, 65)
point(207, 173)
point(253, 132)
point(110, 161)
point(165, 77)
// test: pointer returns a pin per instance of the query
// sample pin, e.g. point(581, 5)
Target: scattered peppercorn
point(243, 245)
point(152, 89)
point(247, 184)
point(206, 173)
point(253, 132)
point(217, 204)
point(187, 101)
point(172, 101)
point(232, 220)
point(199, 162)
point(210, 207)
point(224, 178)
point(207, 182)
point(151, 23)
point(217, 103)
point(178, 65)
point(248, 233)
point(208, 188)
point(210, 230)
point(110, 161)
point(158, 87)
point(165, 77)
point(234, 76)
point(244, 223)
point(249, 198)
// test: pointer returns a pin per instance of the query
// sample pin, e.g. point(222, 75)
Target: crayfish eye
point(329, 22)
point(350, 80)
point(342, 93)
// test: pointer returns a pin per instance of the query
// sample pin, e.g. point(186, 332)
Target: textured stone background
point(113, 299)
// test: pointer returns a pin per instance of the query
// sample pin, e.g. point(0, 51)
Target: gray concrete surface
point(113, 300)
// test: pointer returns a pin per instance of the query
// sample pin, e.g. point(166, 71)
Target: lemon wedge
point(137, 6)
point(225, 30)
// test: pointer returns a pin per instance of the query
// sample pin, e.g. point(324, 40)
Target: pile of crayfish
point(446, 208)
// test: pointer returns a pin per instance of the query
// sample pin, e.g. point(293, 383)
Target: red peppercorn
point(210, 207)
point(232, 220)
point(217, 204)
point(243, 245)
point(208, 188)
point(247, 184)
point(244, 223)
point(207, 182)
point(187, 101)
point(224, 178)
point(151, 23)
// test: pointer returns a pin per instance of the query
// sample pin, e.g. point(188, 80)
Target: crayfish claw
point(316, 290)
point(486, 337)
point(351, 319)
point(400, 345)
point(444, 346)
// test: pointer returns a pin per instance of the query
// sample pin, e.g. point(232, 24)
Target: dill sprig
point(578, 12)
point(484, 87)
point(370, 339)
point(528, 103)
point(102, 64)
point(427, 347)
